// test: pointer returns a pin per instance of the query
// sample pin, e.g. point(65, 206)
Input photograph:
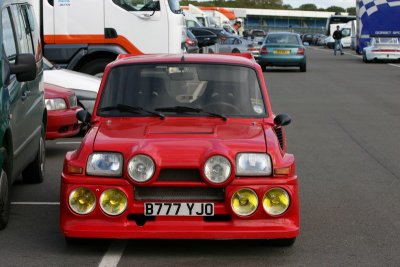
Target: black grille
point(180, 175)
point(279, 135)
point(178, 193)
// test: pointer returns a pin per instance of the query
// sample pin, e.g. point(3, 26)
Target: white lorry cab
point(86, 35)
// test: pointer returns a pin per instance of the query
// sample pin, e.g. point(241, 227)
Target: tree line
point(268, 4)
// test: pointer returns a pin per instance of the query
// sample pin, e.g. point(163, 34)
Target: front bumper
point(62, 123)
point(224, 224)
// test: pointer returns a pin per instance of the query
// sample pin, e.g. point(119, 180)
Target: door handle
point(25, 95)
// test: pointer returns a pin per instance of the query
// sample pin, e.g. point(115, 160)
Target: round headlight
point(276, 201)
point(217, 169)
point(113, 201)
point(141, 168)
point(244, 202)
point(82, 200)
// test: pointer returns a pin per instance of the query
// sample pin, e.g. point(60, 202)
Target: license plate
point(178, 209)
point(282, 52)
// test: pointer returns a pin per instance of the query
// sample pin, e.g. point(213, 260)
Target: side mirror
point(83, 116)
point(306, 44)
point(24, 67)
point(282, 120)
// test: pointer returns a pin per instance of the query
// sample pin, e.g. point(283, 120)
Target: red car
point(61, 105)
point(182, 146)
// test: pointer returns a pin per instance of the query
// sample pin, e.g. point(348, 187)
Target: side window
point(29, 28)
point(138, 5)
point(19, 29)
point(9, 40)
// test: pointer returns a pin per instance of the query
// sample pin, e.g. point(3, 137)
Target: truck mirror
point(24, 67)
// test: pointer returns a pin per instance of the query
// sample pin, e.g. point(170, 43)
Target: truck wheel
point(303, 67)
point(4, 199)
point(96, 67)
point(34, 172)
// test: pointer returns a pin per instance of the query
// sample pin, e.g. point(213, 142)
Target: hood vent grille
point(279, 135)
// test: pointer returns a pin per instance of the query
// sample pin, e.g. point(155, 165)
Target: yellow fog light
point(244, 202)
point(82, 200)
point(276, 201)
point(113, 201)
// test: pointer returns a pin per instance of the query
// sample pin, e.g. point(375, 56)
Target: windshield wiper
point(184, 109)
point(132, 109)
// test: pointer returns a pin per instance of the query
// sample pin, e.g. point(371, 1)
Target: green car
point(283, 49)
point(23, 114)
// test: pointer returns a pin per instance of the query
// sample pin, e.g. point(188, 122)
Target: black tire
point(303, 67)
point(4, 199)
point(263, 67)
point(34, 172)
point(210, 51)
point(95, 67)
point(365, 58)
point(284, 242)
point(235, 51)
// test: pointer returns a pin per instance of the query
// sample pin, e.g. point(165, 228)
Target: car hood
point(180, 142)
point(52, 91)
point(72, 79)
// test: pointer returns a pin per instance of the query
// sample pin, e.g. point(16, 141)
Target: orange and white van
point(85, 35)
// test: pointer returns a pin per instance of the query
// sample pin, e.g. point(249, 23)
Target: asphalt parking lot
point(344, 134)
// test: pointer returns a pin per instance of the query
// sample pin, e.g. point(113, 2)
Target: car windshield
point(196, 89)
point(47, 65)
point(282, 39)
point(387, 40)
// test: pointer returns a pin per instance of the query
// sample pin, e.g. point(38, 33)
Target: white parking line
point(35, 203)
point(394, 65)
point(113, 254)
point(68, 143)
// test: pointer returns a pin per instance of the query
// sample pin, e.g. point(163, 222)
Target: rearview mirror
point(282, 120)
point(83, 116)
point(24, 67)
point(181, 76)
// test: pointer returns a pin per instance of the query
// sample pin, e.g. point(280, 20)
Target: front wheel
point(34, 172)
point(303, 67)
point(4, 199)
point(95, 67)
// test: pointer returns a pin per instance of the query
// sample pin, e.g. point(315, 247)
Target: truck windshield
point(182, 89)
point(175, 6)
point(138, 5)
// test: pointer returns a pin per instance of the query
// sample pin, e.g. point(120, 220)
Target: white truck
point(85, 35)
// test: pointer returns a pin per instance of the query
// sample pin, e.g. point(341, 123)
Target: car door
point(15, 89)
point(26, 102)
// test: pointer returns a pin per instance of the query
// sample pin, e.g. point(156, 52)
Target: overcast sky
point(322, 3)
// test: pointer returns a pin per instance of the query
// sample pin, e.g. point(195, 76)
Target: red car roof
point(237, 58)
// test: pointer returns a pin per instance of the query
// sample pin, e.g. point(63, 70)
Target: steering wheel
point(225, 104)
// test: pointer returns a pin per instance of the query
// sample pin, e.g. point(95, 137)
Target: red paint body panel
point(61, 123)
point(183, 143)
